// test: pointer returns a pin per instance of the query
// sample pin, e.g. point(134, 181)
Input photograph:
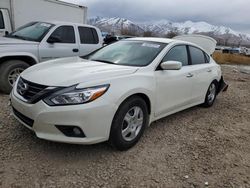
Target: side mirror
point(171, 65)
point(53, 39)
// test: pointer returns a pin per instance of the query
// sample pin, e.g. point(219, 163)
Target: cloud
point(233, 14)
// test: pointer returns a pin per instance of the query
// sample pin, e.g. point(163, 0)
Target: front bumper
point(93, 118)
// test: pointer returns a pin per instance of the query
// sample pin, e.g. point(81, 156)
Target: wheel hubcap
point(13, 75)
point(132, 123)
point(211, 93)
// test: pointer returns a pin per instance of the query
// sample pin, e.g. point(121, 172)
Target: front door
point(174, 87)
point(64, 46)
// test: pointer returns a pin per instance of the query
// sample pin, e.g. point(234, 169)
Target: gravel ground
point(195, 148)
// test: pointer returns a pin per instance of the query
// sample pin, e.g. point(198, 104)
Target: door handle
point(75, 50)
point(209, 70)
point(190, 75)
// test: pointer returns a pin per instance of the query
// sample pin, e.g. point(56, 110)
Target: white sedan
point(114, 93)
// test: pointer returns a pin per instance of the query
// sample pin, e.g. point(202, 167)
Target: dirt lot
point(190, 149)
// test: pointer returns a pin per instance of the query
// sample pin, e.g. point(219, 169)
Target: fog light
point(77, 131)
point(71, 131)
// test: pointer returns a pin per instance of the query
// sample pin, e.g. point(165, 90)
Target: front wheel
point(9, 72)
point(211, 95)
point(129, 123)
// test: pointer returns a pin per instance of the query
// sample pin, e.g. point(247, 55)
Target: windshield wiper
point(103, 61)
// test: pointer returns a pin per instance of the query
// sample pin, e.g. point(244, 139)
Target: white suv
point(116, 92)
point(41, 41)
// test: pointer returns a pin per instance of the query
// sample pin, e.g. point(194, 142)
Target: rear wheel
point(211, 95)
point(129, 123)
point(9, 72)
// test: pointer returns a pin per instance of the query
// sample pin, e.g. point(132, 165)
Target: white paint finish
point(70, 71)
point(169, 91)
point(24, 11)
point(174, 89)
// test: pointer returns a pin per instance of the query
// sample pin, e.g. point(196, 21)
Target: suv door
point(202, 71)
point(174, 87)
point(64, 44)
point(89, 40)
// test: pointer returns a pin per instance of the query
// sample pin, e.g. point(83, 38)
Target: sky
point(234, 14)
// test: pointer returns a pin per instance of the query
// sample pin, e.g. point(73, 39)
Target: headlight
point(73, 96)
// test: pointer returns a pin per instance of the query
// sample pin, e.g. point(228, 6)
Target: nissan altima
point(114, 93)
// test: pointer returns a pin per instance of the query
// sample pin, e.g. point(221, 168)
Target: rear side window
point(66, 34)
point(1, 20)
point(177, 53)
point(197, 56)
point(88, 35)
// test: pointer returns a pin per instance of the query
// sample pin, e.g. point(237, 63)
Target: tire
point(211, 95)
point(129, 123)
point(8, 68)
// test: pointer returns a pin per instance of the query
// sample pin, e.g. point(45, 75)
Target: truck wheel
point(9, 72)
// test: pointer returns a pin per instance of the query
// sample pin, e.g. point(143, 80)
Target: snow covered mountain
point(115, 24)
point(163, 27)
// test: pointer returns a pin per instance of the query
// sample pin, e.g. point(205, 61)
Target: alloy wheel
point(13, 75)
point(211, 93)
point(132, 123)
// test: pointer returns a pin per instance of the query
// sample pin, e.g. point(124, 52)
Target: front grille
point(28, 90)
point(23, 118)
point(31, 92)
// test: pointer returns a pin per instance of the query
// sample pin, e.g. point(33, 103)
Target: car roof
point(153, 39)
point(165, 41)
point(66, 23)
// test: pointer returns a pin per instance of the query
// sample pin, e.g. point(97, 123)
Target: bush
point(231, 58)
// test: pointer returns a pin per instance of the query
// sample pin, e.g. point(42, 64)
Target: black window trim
point(158, 67)
point(94, 33)
point(204, 54)
point(75, 41)
point(2, 19)
point(207, 57)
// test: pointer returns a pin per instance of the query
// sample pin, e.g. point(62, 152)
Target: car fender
point(18, 54)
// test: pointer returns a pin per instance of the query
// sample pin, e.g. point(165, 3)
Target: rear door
point(66, 47)
point(174, 87)
point(89, 40)
point(202, 71)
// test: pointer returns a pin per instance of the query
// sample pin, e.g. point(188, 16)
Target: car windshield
point(34, 31)
point(127, 52)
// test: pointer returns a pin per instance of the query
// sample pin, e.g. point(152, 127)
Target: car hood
point(70, 71)
point(12, 41)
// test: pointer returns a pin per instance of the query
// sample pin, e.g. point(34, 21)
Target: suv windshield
point(131, 53)
point(34, 31)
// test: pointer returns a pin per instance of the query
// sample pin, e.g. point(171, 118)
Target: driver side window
point(177, 53)
point(65, 34)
